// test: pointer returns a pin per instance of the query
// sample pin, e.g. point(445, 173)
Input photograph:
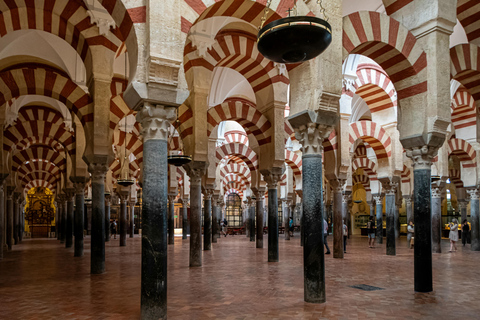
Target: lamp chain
point(322, 10)
point(265, 13)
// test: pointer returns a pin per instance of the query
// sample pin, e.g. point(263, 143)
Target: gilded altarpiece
point(39, 212)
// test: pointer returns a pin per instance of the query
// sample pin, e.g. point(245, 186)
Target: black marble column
point(436, 194)
point(170, 220)
point(21, 224)
point(195, 213)
point(123, 219)
point(215, 224)
point(379, 211)
point(302, 230)
point(390, 216)
point(10, 217)
point(79, 208)
point(313, 249)
point(57, 217)
point(97, 258)
point(272, 177)
point(63, 219)
point(16, 219)
point(423, 231)
point(286, 218)
point(474, 219)
point(207, 219)
point(184, 218)
point(397, 220)
point(2, 218)
point(338, 222)
point(462, 204)
point(131, 226)
point(70, 194)
point(260, 197)
point(252, 220)
point(107, 216)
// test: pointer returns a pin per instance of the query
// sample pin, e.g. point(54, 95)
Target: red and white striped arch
point(374, 135)
point(463, 110)
point(237, 136)
point(392, 6)
point(467, 14)
point(39, 183)
point(294, 161)
point(47, 82)
point(455, 177)
point(118, 110)
point(367, 165)
point(465, 68)
point(37, 165)
point(235, 191)
point(360, 151)
point(391, 45)
point(375, 88)
point(330, 144)
point(36, 152)
point(39, 177)
point(464, 151)
point(405, 174)
point(362, 179)
point(241, 151)
point(236, 168)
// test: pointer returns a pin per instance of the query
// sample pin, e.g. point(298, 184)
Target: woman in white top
point(453, 234)
point(410, 232)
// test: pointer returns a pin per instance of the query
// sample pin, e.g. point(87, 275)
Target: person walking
point(371, 232)
point(410, 234)
point(465, 232)
point(223, 225)
point(290, 226)
point(113, 229)
point(345, 236)
point(453, 235)
point(325, 233)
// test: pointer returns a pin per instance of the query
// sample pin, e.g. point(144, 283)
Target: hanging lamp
point(178, 160)
point(126, 181)
point(294, 39)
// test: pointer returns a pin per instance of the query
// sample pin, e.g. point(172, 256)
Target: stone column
point(97, 259)
point(170, 219)
point(63, 218)
point(436, 219)
point(338, 219)
point(422, 162)
point(21, 224)
point(260, 198)
point(108, 203)
point(57, 217)
point(408, 206)
point(131, 227)
point(286, 218)
point(474, 219)
point(184, 218)
point(272, 177)
point(390, 189)
point(251, 208)
point(16, 210)
point(207, 219)
point(155, 122)
point(379, 211)
point(123, 195)
point(10, 217)
point(462, 205)
point(196, 170)
point(79, 208)
point(397, 220)
point(371, 205)
point(69, 196)
point(215, 220)
point(2, 219)
point(346, 199)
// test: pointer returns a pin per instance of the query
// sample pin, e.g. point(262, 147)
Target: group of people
point(453, 235)
point(344, 233)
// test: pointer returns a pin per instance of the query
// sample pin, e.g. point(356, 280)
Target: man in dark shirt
point(371, 232)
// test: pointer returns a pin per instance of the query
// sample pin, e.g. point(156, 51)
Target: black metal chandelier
point(294, 39)
point(178, 160)
point(126, 181)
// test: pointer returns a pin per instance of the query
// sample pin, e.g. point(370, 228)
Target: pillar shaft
point(252, 221)
point(337, 223)
point(9, 219)
point(207, 220)
point(69, 221)
point(185, 218)
point(107, 218)
point(463, 209)
point(123, 220)
point(97, 258)
point(15, 219)
point(286, 219)
point(313, 249)
point(63, 220)
point(57, 218)
point(390, 215)
point(171, 221)
point(409, 208)
point(259, 213)
point(195, 218)
point(79, 226)
point(131, 226)
point(436, 220)
point(215, 223)
point(2, 219)
point(379, 211)
point(474, 217)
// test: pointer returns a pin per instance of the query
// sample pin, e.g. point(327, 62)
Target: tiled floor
point(41, 279)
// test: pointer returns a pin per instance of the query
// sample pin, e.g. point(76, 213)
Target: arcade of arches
point(383, 124)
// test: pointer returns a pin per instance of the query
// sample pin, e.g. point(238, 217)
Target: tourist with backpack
point(371, 232)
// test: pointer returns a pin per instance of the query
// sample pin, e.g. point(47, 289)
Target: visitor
point(410, 234)
point(290, 226)
point(113, 229)
point(371, 232)
point(453, 235)
point(465, 232)
point(345, 236)
point(325, 234)
point(224, 227)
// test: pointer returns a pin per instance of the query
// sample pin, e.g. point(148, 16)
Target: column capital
point(377, 198)
point(436, 192)
point(123, 195)
point(408, 199)
point(345, 197)
point(272, 176)
point(196, 170)
point(171, 197)
point(337, 185)
point(390, 187)
point(473, 193)
point(462, 204)
point(208, 193)
point(155, 121)
point(69, 193)
point(185, 203)
point(98, 172)
point(311, 137)
point(421, 156)
point(108, 200)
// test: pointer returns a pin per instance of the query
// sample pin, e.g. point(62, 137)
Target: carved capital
point(346, 197)
point(377, 199)
point(208, 193)
point(108, 200)
point(311, 137)
point(272, 176)
point(408, 200)
point(185, 203)
point(79, 187)
point(69, 193)
point(171, 198)
point(155, 121)
point(421, 156)
point(196, 170)
point(473, 193)
point(462, 204)
point(390, 187)
point(337, 185)
point(98, 172)
point(436, 192)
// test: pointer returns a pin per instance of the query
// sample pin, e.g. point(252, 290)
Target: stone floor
point(41, 279)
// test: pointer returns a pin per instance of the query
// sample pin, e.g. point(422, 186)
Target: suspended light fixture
point(294, 39)
point(178, 160)
point(126, 181)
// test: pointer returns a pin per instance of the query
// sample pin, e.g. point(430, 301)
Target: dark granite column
point(474, 219)
point(390, 189)
point(260, 198)
point(57, 217)
point(251, 208)
point(2, 218)
point(10, 217)
point(338, 218)
point(131, 227)
point(184, 218)
point(371, 205)
point(195, 171)
point(408, 206)
point(16, 210)
point(286, 218)
point(123, 217)
point(21, 225)
point(170, 220)
point(397, 220)
point(108, 202)
point(97, 258)
point(246, 218)
point(422, 162)
point(272, 177)
point(215, 220)
point(155, 122)
point(63, 218)
point(379, 211)
point(436, 194)
point(70, 196)
point(346, 198)
point(79, 208)
point(462, 205)
point(207, 219)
